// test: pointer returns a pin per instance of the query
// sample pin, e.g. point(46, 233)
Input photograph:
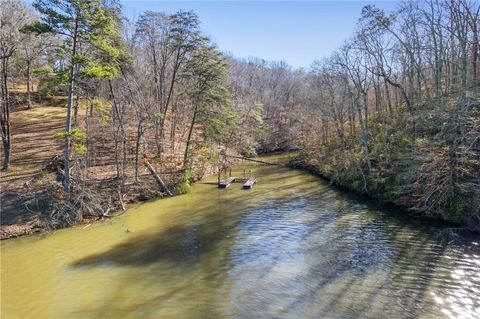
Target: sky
point(297, 32)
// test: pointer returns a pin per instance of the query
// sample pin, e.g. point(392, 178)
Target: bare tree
point(12, 17)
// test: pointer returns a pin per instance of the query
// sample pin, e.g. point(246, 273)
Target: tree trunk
point(68, 124)
point(475, 62)
point(389, 99)
point(29, 81)
point(158, 178)
point(173, 128)
point(365, 109)
point(187, 146)
point(116, 131)
point(364, 134)
point(5, 117)
point(137, 150)
point(75, 112)
point(170, 93)
point(463, 91)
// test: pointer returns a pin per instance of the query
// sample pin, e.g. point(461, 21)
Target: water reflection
point(291, 248)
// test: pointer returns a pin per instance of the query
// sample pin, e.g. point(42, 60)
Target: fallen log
point(157, 177)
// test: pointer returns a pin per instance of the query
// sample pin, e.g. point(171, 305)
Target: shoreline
point(42, 227)
point(36, 222)
point(299, 163)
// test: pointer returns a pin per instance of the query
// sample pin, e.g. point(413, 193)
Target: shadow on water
point(182, 243)
point(312, 253)
point(179, 262)
point(187, 240)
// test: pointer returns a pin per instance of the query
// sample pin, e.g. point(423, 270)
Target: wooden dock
point(227, 182)
point(249, 184)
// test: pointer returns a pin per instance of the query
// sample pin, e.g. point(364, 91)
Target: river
point(292, 247)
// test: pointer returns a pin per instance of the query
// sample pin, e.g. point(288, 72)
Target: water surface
point(292, 247)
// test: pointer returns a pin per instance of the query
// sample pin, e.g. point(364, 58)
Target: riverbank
point(32, 217)
point(30, 209)
point(32, 198)
point(383, 192)
point(42, 206)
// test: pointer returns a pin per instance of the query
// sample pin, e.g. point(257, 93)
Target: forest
point(98, 111)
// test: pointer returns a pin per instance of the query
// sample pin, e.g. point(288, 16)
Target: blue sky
point(293, 31)
point(297, 32)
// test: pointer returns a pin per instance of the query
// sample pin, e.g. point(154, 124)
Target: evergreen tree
point(211, 100)
point(91, 40)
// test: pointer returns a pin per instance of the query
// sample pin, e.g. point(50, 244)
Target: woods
point(406, 83)
point(394, 112)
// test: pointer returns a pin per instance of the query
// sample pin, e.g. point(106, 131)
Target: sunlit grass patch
point(44, 113)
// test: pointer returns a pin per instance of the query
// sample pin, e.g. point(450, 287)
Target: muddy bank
point(44, 206)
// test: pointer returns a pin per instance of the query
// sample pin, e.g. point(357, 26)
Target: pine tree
point(207, 72)
point(92, 43)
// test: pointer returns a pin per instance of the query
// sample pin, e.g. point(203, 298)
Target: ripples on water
point(291, 248)
point(348, 263)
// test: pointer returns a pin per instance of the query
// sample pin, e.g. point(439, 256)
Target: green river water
point(292, 247)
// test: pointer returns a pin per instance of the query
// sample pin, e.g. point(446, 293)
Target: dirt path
point(32, 149)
